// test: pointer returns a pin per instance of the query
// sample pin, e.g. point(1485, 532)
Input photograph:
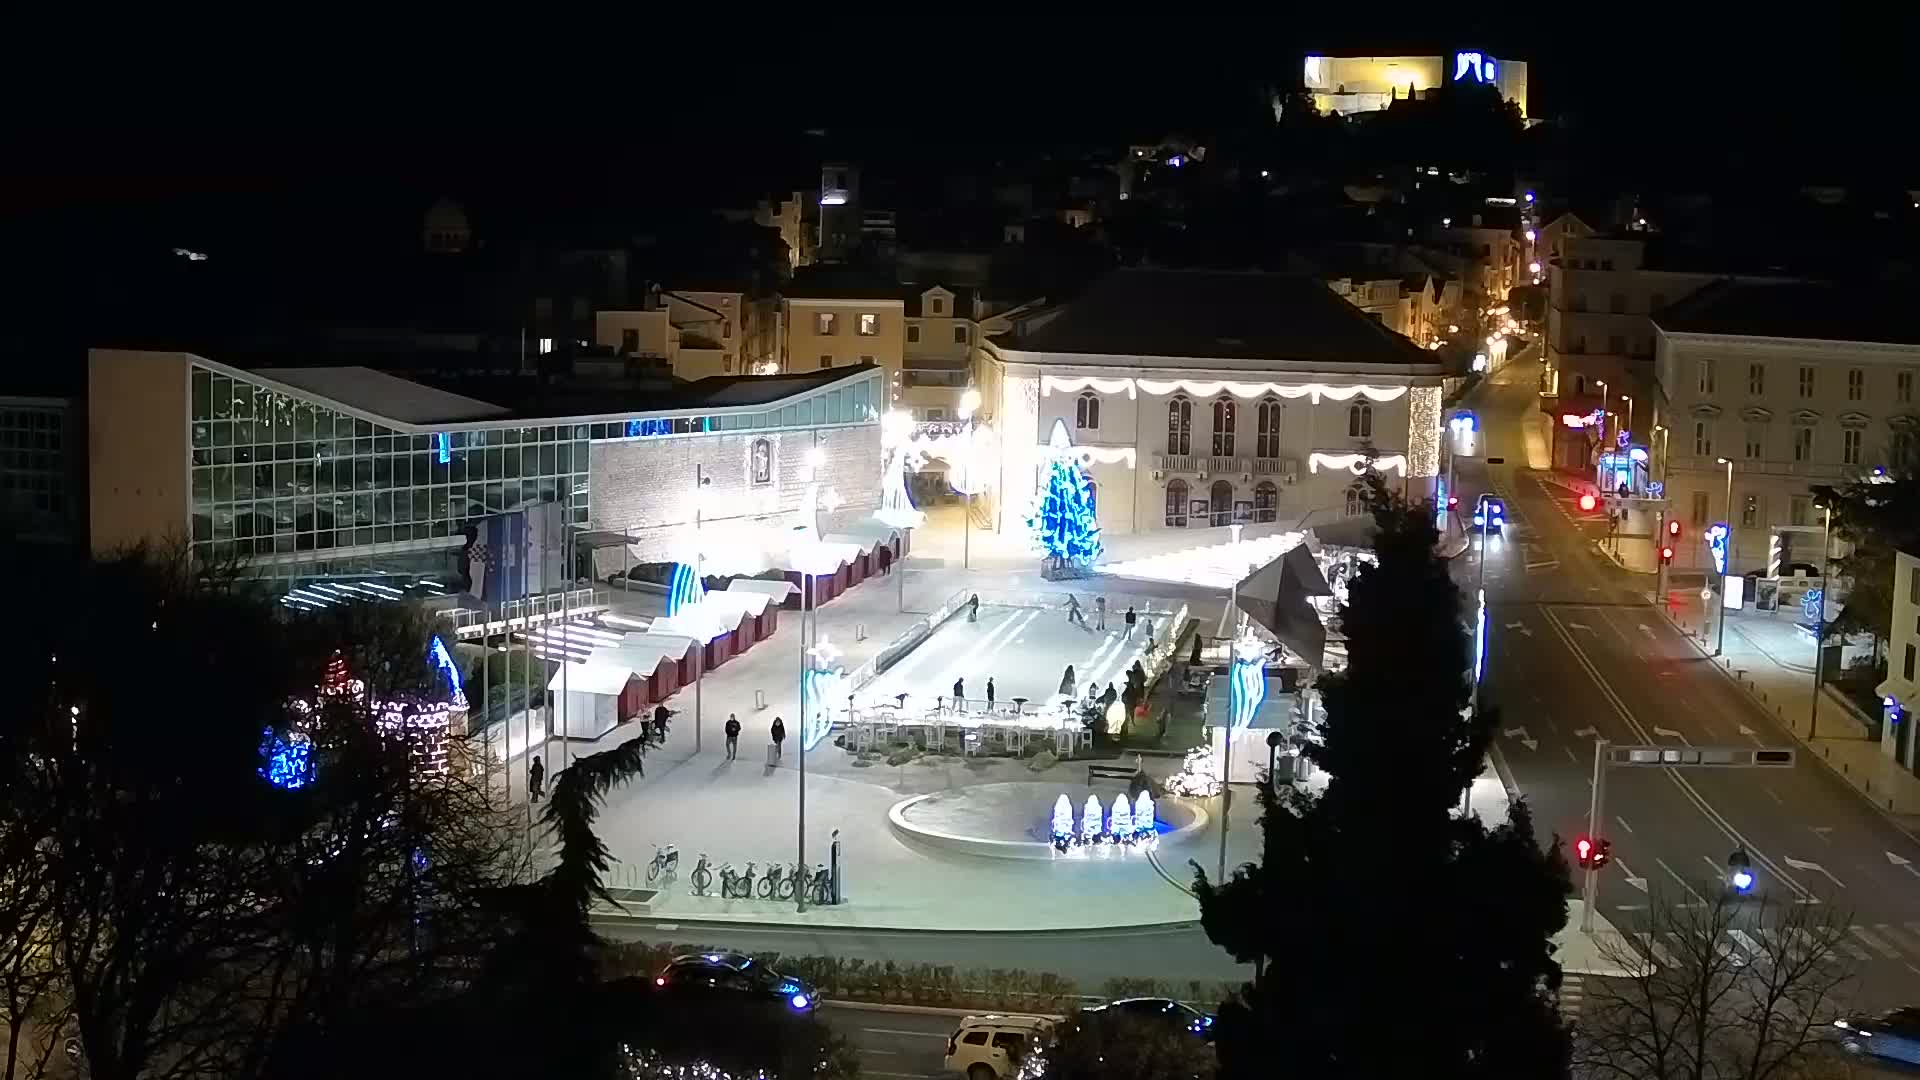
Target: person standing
point(779, 736)
point(973, 608)
point(733, 736)
point(1067, 683)
point(1100, 612)
point(959, 692)
point(1149, 629)
point(1131, 617)
point(989, 692)
point(536, 779)
point(1074, 614)
point(660, 715)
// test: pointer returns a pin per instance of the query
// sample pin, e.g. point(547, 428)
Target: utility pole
point(1590, 887)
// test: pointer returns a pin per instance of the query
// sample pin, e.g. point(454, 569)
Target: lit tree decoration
point(1064, 524)
point(1120, 825)
point(686, 588)
point(825, 684)
point(1247, 682)
point(1090, 821)
point(1062, 822)
point(896, 439)
point(287, 760)
point(1199, 776)
point(1143, 815)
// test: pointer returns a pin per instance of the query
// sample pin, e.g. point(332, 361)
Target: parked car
point(1173, 1013)
point(992, 1046)
point(735, 973)
point(1894, 1035)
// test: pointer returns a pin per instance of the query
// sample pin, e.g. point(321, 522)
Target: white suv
point(991, 1047)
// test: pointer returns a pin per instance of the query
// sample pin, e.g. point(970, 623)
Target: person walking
point(1100, 612)
point(1066, 682)
point(1131, 617)
point(660, 715)
point(1074, 614)
point(1148, 627)
point(536, 779)
point(733, 736)
point(959, 692)
point(779, 736)
point(973, 608)
point(989, 692)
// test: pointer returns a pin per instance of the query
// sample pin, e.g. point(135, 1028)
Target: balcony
point(1285, 468)
point(1177, 463)
point(1229, 465)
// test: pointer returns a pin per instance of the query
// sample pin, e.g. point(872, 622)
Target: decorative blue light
point(1811, 603)
point(1065, 524)
point(443, 443)
point(1638, 453)
point(444, 661)
point(1246, 686)
point(684, 589)
point(1742, 880)
point(1480, 638)
point(1717, 537)
point(799, 1001)
point(649, 428)
point(286, 760)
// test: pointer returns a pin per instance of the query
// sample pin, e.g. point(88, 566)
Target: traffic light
point(1588, 502)
point(1666, 555)
point(1453, 502)
point(1583, 853)
point(1673, 529)
point(1602, 853)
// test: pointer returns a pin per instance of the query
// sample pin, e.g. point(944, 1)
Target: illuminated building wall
point(1355, 84)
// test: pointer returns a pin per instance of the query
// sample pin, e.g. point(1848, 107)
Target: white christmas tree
point(1143, 814)
point(1090, 823)
point(1199, 775)
point(1121, 824)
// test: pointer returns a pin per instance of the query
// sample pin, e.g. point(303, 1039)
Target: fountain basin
point(1014, 820)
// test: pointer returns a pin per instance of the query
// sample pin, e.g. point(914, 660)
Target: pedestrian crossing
point(1573, 995)
point(1857, 944)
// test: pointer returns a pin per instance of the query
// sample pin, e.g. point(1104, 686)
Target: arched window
point(1360, 421)
point(1266, 501)
point(1086, 412)
point(1222, 503)
point(1356, 500)
point(1223, 416)
point(1177, 504)
point(1267, 441)
point(1179, 426)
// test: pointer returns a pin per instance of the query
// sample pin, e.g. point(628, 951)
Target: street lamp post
point(1820, 625)
point(1274, 739)
point(701, 482)
point(1720, 635)
point(800, 887)
point(1604, 398)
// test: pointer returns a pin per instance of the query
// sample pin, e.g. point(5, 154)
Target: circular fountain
point(1018, 820)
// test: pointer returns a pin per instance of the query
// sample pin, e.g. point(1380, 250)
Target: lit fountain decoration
point(1128, 824)
point(1062, 823)
point(1120, 822)
point(1091, 823)
point(1143, 816)
point(423, 725)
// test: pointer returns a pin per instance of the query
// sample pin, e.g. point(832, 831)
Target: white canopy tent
point(591, 693)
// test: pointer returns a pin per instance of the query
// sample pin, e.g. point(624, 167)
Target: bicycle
point(735, 886)
point(820, 888)
point(773, 881)
point(702, 877)
point(664, 863)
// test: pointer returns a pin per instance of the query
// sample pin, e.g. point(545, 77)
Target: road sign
point(1725, 757)
point(1495, 460)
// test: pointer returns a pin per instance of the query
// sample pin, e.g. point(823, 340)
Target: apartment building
point(836, 318)
point(1795, 384)
point(1900, 693)
point(697, 333)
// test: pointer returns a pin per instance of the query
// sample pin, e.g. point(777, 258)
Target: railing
point(533, 607)
point(1286, 467)
point(1186, 463)
point(1229, 464)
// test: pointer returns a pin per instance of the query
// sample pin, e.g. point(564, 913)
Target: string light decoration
point(686, 589)
point(1062, 822)
point(1207, 389)
point(1120, 822)
point(423, 725)
point(1423, 431)
point(1143, 815)
point(286, 761)
point(826, 683)
point(1247, 682)
point(1064, 524)
point(1199, 775)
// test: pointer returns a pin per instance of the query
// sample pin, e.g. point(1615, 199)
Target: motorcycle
point(702, 877)
point(1740, 877)
point(665, 864)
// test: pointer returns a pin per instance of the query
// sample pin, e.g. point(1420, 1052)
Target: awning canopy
point(590, 677)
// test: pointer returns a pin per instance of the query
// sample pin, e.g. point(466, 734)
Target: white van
point(991, 1047)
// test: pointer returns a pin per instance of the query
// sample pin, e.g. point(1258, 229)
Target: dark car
point(735, 973)
point(1173, 1013)
point(1894, 1035)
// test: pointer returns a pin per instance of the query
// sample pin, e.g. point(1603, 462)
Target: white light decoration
point(1358, 463)
point(1423, 432)
point(1090, 824)
point(1143, 814)
point(1019, 417)
point(1199, 776)
point(1120, 823)
point(1062, 818)
point(1247, 681)
point(826, 683)
point(1050, 383)
point(1316, 391)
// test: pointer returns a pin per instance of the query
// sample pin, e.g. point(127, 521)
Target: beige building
point(1796, 384)
point(1900, 693)
point(1356, 84)
point(1205, 399)
point(697, 333)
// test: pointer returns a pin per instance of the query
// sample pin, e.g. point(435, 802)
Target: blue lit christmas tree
point(1063, 522)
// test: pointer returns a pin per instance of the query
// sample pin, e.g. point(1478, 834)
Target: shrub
point(1044, 760)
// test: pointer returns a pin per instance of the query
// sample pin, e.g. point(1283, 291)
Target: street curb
point(678, 923)
point(926, 1010)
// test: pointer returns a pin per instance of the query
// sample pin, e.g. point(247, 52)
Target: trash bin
point(773, 754)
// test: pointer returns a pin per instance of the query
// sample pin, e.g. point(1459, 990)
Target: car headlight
point(1843, 1025)
point(799, 1001)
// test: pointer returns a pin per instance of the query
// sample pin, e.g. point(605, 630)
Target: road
point(894, 1045)
point(1576, 653)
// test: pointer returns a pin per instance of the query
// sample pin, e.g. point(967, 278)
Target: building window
point(726, 329)
point(1266, 501)
point(1903, 386)
point(1799, 509)
point(1223, 417)
point(629, 341)
point(1086, 412)
point(1360, 421)
point(1222, 503)
point(1356, 500)
point(913, 334)
point(826, 361)
point(1750, 512)
point(1267, 440)
point(959, 335)
point(1856, 383)
point(939, 305)
point(1913, 590)
point(1619, 303)
point(1177, 504)
point(1578, 302)
point(825, 323)
point(1616, 343)
point(1850, 446)
point(1803, 444)
point(1756, 440)
point(1907, 667)
point(1706, 376)
point(1806, 381)
point(1700, 508)
point(546, 345)
point(869, 324)
point(1703, 438)
point(726, 363)
point(1756, 379)
point(1179, 426)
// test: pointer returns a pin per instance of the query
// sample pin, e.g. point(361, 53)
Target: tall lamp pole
point(800, 887)
point(1820, 625)
point(1605, 396)
point(701, 482)
point(1720, 635)
point(1629, 428)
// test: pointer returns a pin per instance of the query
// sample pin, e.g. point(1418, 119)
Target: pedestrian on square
point(660, 715)
point(959, 691)
point(1067, 684)
point(973, 608)
point(536, 779)
point(1100, 612)
point(733, 736)
point(1130, 620)
point(989, 691)
point(779, 736)
point(1074, 614)
point(1149, 629)
point(1110, 696)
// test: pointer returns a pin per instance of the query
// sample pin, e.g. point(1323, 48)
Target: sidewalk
point(1771, 657)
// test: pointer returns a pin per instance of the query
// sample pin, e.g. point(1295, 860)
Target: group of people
point(778, 732)
point(1077, 615)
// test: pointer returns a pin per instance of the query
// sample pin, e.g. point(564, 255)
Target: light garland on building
point(1161, 387)
point(424, 726)
point(1423, 431)
point(1358, 464)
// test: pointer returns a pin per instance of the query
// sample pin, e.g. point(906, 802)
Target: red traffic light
point(1673, 528)
point(1453, 502)
point(1588, 502)
point(1583, 852)
point(1602, 853)
point(1666, 554)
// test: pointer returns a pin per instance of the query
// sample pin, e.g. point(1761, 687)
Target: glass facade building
point(304, 489)
point(37, 489)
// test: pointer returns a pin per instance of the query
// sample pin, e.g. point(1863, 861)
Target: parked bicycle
point(665, 864)
point(736, 886)
point(774, 884)
point(702, 877)
point(819, 885)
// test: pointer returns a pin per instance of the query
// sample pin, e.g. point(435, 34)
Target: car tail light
point(953, 1044)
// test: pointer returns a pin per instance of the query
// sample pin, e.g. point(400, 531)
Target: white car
point(991, 1047)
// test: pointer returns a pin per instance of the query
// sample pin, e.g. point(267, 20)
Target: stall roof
point(591, 677)
point(779, 590)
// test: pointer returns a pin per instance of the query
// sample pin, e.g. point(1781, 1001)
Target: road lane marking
point(1748, 943)
point(1821, 831)
point(1673, 775)
point(1623, 822)
point(1575, 758)
point(1775, 796)
point(1669, 733)
point(1651, 946)
point(1675, 874)
point(897, 1031)
point(879, 1053)
point(1852, 950)
point(1874, 943)
point(1815, 868)
point(1899, 938)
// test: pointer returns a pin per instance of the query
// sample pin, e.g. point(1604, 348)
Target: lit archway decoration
point(1249, 390)
point(1358, 464)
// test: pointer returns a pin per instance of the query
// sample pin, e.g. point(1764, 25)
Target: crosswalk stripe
point(1913, 927)
point(1651, 946)
point(1852, 950)
point(1874, 943)
point(1748, 943)
point(1899, 938)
